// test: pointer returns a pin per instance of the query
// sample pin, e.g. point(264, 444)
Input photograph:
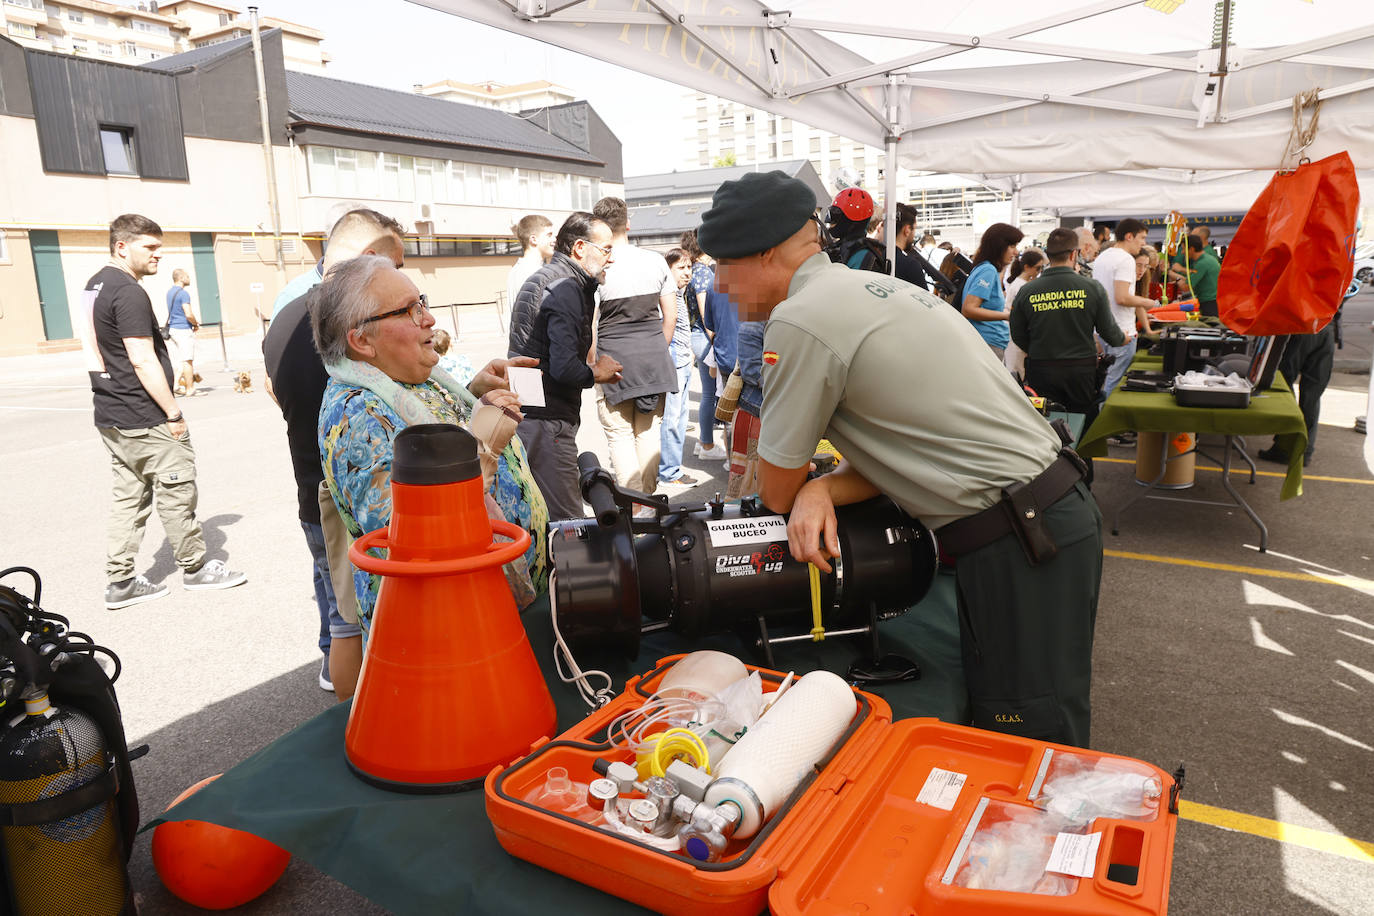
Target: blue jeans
point(332, 626)
point(673, 432)
point(1124, 354)
point(706, 409)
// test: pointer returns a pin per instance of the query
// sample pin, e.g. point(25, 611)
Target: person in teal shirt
point(985, 302)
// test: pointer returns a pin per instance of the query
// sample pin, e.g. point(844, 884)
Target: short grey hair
point(342, 302)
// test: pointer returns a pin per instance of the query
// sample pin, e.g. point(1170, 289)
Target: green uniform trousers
point(1026, 632)
point(147, 464)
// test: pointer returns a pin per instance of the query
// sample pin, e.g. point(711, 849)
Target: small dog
point(243, 382)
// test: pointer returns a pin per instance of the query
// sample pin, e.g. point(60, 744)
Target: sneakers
point(326, 683)
point(212, 574)
point(714, 453)
point(132, 591)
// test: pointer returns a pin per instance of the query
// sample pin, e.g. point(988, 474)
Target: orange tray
point(852, 838)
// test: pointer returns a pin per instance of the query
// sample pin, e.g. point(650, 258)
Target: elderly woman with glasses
point(375, 333)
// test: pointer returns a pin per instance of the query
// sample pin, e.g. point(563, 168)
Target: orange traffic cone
point(449, 686)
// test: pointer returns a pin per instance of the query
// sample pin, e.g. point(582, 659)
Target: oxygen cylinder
point(73, 864)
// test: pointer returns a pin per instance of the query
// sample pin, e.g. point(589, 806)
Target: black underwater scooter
point(713, 567)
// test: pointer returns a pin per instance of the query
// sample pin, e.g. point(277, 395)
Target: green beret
point(754, 213)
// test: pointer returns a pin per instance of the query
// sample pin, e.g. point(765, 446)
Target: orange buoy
point(214, 867)
point(449, 686)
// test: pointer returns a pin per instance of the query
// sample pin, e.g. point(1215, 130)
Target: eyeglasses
point(416, 310)
point(604, 249)
point(823, 236)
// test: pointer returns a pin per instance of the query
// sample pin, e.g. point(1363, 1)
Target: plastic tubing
point(655, 711)
point(678, 743)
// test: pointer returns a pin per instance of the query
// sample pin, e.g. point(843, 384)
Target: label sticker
point(1075, 854)
point(752, 563)
point(942, 788)
point(746, 530)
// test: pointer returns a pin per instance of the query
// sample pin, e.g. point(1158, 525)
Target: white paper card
point(942, 788)
point(727, 532)
point(1075, 854)
point(528, 384)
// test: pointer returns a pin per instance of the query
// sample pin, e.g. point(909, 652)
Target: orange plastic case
point(853, 838)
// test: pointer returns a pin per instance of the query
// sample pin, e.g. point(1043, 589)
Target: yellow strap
point(817, 630)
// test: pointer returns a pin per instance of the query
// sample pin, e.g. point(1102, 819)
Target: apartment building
point(145, 31)
point(214, 23)
point(179, 140)
point(106, 31)
point(491, 94)
point(722, 132)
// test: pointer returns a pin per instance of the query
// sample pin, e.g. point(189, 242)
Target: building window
point(117, 143)
point(155, 28)
point(75, 15)
point(79, 46)
point(491, 185)
point(4, 248)
point(54, 12)
point(431, 180)
point(100, 21)
point(223, 18)
point(22, 30)
point(27, 4)
point(128, 48)
point(398, 177)
point(105, 48)
point(815, 145)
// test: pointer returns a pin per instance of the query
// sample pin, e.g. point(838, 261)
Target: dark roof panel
point(703, 182)
point(199, 57)
point(370, 109)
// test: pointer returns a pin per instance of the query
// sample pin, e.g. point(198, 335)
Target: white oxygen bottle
point(776, 754)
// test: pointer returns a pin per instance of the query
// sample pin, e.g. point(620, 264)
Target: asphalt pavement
point(1255, 670)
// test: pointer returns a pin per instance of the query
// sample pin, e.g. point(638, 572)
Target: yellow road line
point(1331, 843)
point(1242, 470)
point(1224, 567)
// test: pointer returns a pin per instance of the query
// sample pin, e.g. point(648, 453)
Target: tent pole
point(1016, 200)
point(890, 177)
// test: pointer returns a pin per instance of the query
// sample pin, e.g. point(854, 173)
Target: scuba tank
point(67, 804)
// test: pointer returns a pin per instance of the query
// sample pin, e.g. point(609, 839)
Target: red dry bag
point(1293, 255)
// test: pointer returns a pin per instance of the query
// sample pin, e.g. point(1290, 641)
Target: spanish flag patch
point(770, 357)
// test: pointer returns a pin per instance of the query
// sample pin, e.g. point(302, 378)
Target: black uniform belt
point(1086, 362)
point(1017, 512)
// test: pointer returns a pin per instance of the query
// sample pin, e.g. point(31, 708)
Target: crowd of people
point(775, 306)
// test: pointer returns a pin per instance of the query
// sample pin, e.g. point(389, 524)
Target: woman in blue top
point(984, 301)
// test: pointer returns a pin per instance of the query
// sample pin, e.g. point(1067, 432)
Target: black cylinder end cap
point(434, 453)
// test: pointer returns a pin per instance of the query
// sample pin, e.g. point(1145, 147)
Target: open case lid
point(895, 808)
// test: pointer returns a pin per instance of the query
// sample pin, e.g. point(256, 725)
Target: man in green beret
point(924, 413)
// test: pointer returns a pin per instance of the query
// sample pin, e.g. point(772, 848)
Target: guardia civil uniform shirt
point(905, 389)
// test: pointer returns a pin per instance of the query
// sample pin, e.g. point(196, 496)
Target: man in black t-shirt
point(140, 423)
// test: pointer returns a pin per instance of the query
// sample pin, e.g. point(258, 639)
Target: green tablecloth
point(1274, 412)
point(438, 854)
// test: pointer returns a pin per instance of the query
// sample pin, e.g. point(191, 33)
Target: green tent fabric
point(1274, 412)
point(422, 854)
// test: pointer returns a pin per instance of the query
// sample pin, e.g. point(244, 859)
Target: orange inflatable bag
point(1293, 256)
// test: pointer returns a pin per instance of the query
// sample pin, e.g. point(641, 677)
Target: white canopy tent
point(1105, 195)
point(1097, 115)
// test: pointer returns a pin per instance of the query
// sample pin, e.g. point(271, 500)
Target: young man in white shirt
point(535, 233)
point(1115, 270)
